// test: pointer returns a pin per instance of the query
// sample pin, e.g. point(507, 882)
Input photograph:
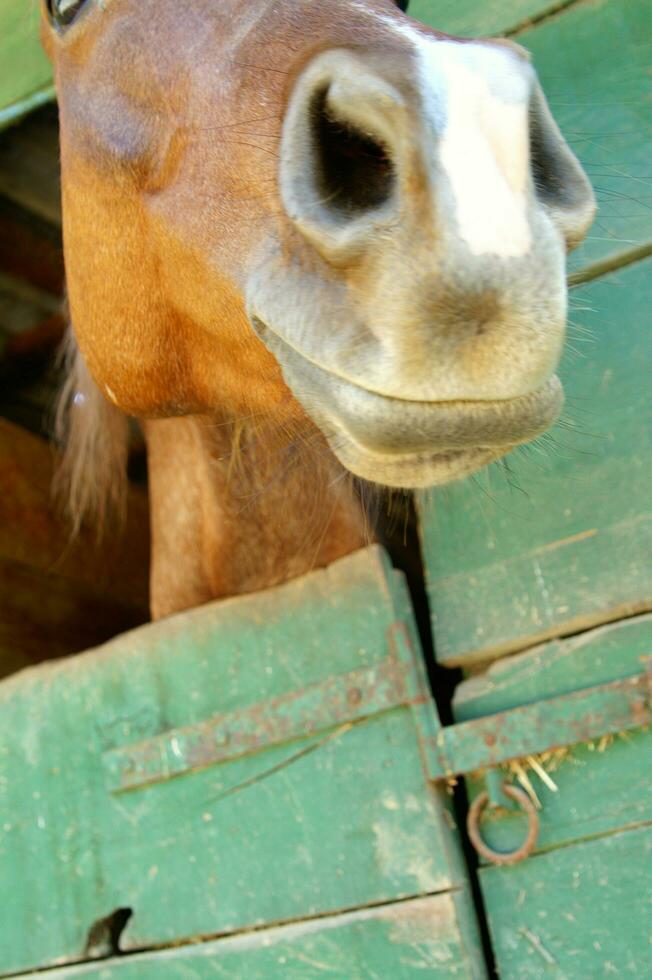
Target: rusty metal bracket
point(530, 729)
point(337, 700)
point(397, 680)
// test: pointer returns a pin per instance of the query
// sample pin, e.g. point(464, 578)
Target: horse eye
point(63, 12)
point(402, 4)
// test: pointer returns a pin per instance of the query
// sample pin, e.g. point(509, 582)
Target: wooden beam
point(58, 595)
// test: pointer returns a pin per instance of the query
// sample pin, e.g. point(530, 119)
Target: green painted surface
point(343, 699)
point(595, 65)
point(564, 541)
point(477, 17)
point(26, 74)
point(581, 906)
point(22, 107)
point(411, 939)
point(603, 786)
point(326, 822)
point(557, 668)
point(571, 915)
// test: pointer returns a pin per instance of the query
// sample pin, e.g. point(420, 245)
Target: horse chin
point(410, 443)
point(412, 470)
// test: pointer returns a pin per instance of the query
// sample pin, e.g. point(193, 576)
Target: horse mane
point(90, 482)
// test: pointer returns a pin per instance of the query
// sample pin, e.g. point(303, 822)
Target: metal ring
point(473, 826)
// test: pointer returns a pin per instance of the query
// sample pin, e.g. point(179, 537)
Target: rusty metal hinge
point(299, 714)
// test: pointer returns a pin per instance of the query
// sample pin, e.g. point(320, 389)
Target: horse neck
point(235, 509)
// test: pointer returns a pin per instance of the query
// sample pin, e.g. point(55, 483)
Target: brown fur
point(135, 143)
point(174, 218)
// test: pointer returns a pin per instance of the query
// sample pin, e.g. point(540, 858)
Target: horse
point(309, 246)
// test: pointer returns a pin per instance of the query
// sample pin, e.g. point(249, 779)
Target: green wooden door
point(280, 821)
point(546, 562)
point(581, 906)
point(557, 521)
point(251, 764)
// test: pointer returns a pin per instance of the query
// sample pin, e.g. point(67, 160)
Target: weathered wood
point(478, 17)
point(26, 77)
point(575, 913)
point(593, 60)
point(389, 942)
point(602, 787)
point(29, 164)
point(557, 668)
point(580, 906)
point(571, 548)
point(30, 248)
point(337, 820)
point(58, 596)
point(566, 720)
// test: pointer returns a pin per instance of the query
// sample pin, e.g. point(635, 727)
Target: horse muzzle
point(404, 443)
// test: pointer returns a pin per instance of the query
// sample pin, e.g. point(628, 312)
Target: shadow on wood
point(58, 596)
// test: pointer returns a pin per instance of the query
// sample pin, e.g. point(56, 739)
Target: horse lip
point(400, 427)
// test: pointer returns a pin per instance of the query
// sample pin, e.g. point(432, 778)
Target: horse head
point(322, 210)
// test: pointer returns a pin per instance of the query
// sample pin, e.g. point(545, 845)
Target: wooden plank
point(338, 820)
point(594, 62)
point(605, 574)
point(601, 787)
point(584, 911)
point(26, 72)
point(477, 17)
point(29, 164)
point(390, 942)
point(58, 596)
point(557, 668)
point(340, 700)
point(569, 547)
point(30, 248)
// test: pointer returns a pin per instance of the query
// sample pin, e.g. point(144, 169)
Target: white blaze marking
point(483, 145)
point(475, 97)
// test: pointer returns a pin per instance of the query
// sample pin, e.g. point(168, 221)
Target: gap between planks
point(479, 660)
point(555, 10)
point(353, 913)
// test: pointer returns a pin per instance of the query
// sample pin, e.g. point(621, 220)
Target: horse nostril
point(547, 168)
point(353, 172)
point(559, 182)
point(341, 154)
